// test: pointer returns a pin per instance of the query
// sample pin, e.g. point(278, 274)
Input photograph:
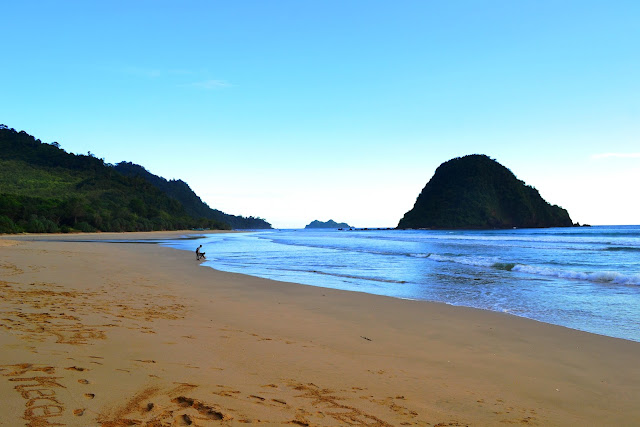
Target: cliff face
point(476, 192)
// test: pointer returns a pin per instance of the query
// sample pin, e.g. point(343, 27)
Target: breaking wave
point(622, 249)
point(598, 277)
point(607, 277)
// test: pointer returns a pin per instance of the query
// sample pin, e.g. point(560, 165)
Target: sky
point(300, 110)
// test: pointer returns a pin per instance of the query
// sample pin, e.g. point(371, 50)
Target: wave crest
point(607, 277)
point(622, 249)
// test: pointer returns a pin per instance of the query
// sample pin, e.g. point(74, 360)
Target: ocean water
point(585, 278)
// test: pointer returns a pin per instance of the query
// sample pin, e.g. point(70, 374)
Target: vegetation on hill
point(477, 192)
point(193, 205)
point(45, 189)
point(329, 224)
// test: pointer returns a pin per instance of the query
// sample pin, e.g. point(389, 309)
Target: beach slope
point(115, 334)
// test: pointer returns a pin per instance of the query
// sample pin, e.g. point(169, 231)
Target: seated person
point(199, 254)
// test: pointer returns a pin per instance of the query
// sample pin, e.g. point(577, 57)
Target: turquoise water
point(584, 278)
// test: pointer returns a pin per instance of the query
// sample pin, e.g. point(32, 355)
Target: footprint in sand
point(208, 411)
point(83, 381)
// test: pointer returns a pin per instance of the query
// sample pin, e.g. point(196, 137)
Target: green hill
point(194, 206)
point(45, 189)
point(477, 192)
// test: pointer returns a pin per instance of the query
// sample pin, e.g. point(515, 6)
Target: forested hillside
point(477, 192)
point(194, 206)
point(45, 189)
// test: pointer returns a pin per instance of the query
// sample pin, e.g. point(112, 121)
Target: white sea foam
point(476, 261)
point(597, 277)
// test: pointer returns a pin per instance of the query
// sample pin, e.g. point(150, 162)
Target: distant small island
point(329, 224)
point(476, 192)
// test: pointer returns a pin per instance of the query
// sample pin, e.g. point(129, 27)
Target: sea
point(585, 278)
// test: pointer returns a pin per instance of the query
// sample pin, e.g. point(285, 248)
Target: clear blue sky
point(302, 110)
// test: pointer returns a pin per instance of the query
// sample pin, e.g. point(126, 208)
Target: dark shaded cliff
point(476, 192)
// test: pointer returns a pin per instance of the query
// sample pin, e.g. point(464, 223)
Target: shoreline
point(149, 236)
point(156, 338)
point(144, 236)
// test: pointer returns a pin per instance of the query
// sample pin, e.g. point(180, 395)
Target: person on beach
point(199, 254)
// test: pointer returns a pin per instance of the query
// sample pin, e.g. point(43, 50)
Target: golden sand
point(113, 334)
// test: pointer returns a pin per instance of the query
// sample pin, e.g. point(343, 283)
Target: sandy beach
point(120, 334)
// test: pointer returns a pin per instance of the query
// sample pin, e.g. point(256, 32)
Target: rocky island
point(329, 224)
point(477, 192)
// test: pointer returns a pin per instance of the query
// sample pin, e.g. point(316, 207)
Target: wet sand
point(114, 334)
